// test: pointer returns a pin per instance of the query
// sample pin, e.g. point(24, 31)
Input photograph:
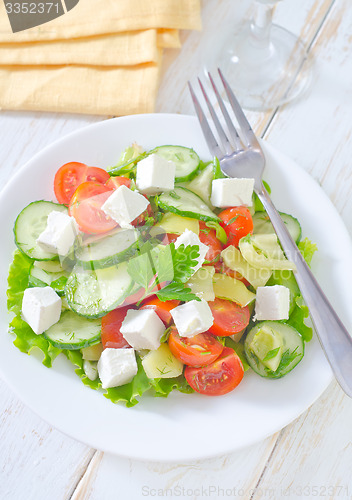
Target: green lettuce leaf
point(163, 386)
point(307, 249)
point(17, 281)
point(126, 394)
point(26, 339)
point(297, 319)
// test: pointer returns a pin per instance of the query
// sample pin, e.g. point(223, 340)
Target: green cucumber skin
point(90, 311)
point(256, 364)
point(63, 343)
point(35, 252)
point(191, 152)
point(186, 213)
point(292, 224)
point(108, 261)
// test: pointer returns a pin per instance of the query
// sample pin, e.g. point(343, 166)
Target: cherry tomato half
point(110, 329)
point(116, 182)
point(237, 222)
point(71, 175)
point(161, 308)
point(199, 350)
point(85, 207)
point(229, 318)
point(208, 237)
point(217, 378)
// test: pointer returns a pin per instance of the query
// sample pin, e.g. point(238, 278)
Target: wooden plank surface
point(315, 450)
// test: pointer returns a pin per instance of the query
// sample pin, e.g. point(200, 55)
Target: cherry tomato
point(161, 308)
point(110, 329)
point(116, 182)
point(199, 350)
point(229, 318)
point(85, 207)
point(71, 175)
point(208, 237)
point(140, 220)
point(237, 222)
point(219, 377)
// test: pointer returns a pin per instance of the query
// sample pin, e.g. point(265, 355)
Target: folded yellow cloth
point(94, 17)
point(99, 58)
point(78, 89)
point(120, 49)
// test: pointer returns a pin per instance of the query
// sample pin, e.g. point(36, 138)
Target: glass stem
point(261, 23)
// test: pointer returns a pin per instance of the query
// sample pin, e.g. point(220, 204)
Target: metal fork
point(243, 157)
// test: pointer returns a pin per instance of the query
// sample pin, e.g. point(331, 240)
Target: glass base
point(262, 77)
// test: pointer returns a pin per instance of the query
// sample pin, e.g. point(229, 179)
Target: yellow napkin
point(120, 49)
point(94, 17)
point(95, 60)
point(99, 90)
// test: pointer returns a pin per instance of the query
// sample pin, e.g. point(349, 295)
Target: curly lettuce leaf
point(307, 249)
point(163, 386)
point(26, 339)
point(17, 281)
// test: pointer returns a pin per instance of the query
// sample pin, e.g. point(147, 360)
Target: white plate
point(178, 428)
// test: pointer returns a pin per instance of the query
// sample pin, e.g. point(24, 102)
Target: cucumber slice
point(94, 293)
point(262, 225)
point(30, 223)
point(182, 201)
point(202, 183)
point(107, 251)
point(286, 342)
point(73, 332)
point(186, 160)
point(39, 277)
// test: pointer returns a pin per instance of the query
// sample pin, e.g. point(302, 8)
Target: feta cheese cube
point(41, 308)
point(155, 175)
point(192, 318)
point(124, 205)
point(272, 302)
point(232, 192)
point(59, 234)
point(117, 367)
point(189, 238)
point(142, 329)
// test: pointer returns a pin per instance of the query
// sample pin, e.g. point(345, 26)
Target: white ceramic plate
point(178, 428)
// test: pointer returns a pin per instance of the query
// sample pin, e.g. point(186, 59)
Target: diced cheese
point(124, 205)
point(117, 367)
point(232, 192)
point(59, 234)
point(41, 308)
point(188, 238)
point(272, 303)
point(142, 329)
point(155, 175)
point(192, 318)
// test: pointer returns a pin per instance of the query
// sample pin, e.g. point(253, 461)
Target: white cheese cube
point(272, 303)
point(59, 234)
point(117, 367)
point(189, 238)
point(41, 308)
point(124, 205)
point(155, 175)
point(232, 192)
point(142, 329)
point(192, 318)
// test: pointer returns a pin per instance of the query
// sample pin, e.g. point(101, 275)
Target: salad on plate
point(159, 274)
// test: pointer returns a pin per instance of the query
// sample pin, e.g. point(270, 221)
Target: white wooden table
point(313, 455)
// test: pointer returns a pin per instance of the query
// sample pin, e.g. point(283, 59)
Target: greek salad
point(155, 275)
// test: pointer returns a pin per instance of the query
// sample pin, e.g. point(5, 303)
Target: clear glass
point(265, 64)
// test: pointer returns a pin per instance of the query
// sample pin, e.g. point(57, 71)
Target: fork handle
point(333, 336)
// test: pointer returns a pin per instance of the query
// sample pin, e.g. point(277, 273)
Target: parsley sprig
point(166, 269)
